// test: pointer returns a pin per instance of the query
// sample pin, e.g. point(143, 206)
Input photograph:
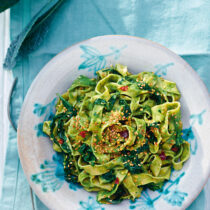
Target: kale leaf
point(87, 154)
point(60, 131)
point(109, 176)
point(155, 92)
point(130, 79)
point(143, 148)
point(131, 161)
point(100, 101)
point(61, 118)
point(69, 169)
point(149, 133)
point(126, 107)
point(117, 196)
point(154, 186)
point(108, 105)
point(71, 110)
point(111, 71)
point(112, 101)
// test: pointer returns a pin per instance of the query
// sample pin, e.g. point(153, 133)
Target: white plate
point(43, 167)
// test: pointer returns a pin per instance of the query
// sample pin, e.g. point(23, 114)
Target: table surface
point(6, 79)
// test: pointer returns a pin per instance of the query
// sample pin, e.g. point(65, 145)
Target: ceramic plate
point(43, 167)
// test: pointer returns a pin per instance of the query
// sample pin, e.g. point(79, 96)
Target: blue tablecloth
point(182, 26)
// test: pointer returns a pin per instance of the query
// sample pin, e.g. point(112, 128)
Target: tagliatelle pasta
point(119, 133)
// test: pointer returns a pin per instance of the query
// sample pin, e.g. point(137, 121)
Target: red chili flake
point(174, 148)
point(124, 88)
point(60, 141)
point(117, 181)
point(82, 134)
point(124, 134)
point(162, 155)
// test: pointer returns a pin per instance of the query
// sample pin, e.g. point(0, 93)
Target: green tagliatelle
point(119, 133)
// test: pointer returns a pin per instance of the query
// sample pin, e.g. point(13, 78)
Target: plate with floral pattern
point(44, 168)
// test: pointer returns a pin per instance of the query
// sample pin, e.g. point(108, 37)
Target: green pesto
point(119, 133)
